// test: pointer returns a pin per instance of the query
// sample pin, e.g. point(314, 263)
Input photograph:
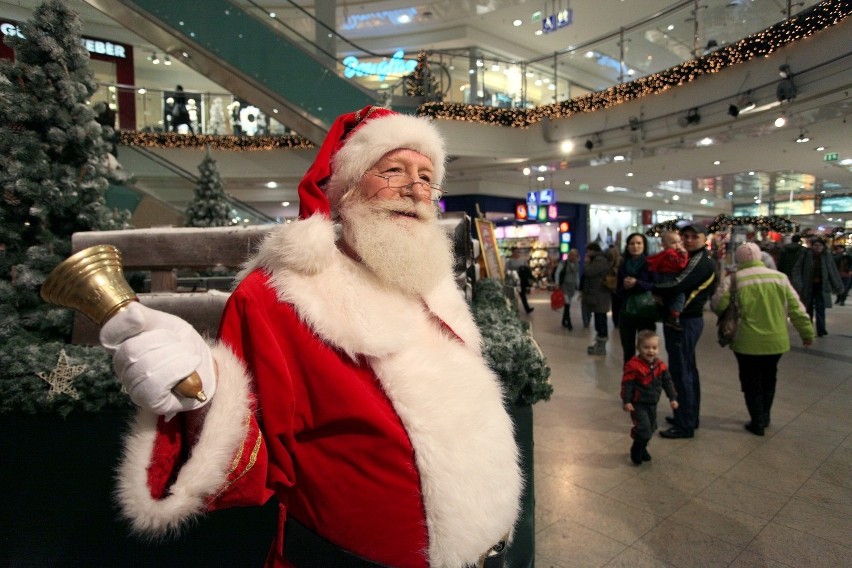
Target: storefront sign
point(557, 21)
point(92, 45)
point(396, 66)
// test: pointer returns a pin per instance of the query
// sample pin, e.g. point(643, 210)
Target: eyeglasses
point(399, 182)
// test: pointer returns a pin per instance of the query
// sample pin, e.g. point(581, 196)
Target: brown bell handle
point(191, 387)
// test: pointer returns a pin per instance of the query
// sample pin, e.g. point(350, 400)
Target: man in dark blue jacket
point(697, 282)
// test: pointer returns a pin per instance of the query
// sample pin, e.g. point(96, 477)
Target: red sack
point(557, 299)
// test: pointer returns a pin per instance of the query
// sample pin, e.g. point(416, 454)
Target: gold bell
point(92, 283)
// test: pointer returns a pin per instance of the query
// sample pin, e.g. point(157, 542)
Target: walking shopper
point(698, 282)
point(815, 277)
point(568, 278)
point(645, 377)
point(597, 297)
point(766, 299)
point(633, 279)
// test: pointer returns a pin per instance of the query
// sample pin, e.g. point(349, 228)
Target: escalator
point(247, 57)
point(160, 190)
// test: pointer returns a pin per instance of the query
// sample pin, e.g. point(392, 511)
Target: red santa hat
point(355, 142)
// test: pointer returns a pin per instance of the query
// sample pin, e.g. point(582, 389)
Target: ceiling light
point(540, 178)
point(703, 202)
point(271, 14)
point(649, 194)
point(495, 67)
point(285, 203)
point(185, 54)
point(526, 171)
point(706, 141)
point(618, 158)
point(404, 19)
point(567, 182)
point(479, 63)
point(802, 138)
point(538, 32)
point(517, 23)
point(780, 121)
point(630, 174)
point(542, 168)
point(142, 91)
point(675, 197)
point(820, 148)
point(846, 162)
point(271, 184)
point(716, 163)
point(567, 147)
point(167, 60)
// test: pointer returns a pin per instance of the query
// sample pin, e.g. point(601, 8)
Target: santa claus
point(347, 380)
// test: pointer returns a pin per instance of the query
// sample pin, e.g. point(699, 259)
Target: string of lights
point(723, 221)
point(761, 44)
point(213, 141)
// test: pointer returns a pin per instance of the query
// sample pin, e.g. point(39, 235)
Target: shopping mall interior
point(567, 122)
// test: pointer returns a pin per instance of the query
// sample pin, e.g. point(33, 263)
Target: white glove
point(152, 352)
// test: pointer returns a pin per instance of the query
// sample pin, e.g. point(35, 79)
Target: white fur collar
point(441, 388)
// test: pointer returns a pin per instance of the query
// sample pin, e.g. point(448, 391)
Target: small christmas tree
point(210, 206)
point(53, 174)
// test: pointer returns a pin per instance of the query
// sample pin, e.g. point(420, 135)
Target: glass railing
point(685, 30)
point(209, 113)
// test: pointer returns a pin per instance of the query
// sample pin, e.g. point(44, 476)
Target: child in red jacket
point(665, 266)
point(645, 376)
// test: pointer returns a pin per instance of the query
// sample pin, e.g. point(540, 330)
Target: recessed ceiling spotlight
point(567, 182)
point(649, 194)
point(703, 202)
point(675, 197)
point(404, 19)
point(271, 184)
point(526, 171)
point(618, 158)
point(567, 146)
point(285, 203)
point(540, 178)
point(630, 174)
point(820, 148)
point(271, 14)
point(802, 138)
point(538, 32)
point(780, 121)
point(717, 162)
point(706, 141)
point(542, 168)
point(517, 23)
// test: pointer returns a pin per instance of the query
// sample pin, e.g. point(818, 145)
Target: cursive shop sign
point(396, 66)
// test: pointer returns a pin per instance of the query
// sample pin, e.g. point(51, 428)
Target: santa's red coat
point(370, 415)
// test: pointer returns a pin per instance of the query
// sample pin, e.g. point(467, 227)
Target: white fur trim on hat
point(375, 138)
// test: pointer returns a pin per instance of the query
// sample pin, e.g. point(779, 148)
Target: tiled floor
point(723, 498)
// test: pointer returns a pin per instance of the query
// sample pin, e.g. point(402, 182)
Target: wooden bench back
point(163, 252)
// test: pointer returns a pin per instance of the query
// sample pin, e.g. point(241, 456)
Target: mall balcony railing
point(685, 30)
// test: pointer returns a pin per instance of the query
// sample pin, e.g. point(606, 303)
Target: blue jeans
point(680, 346)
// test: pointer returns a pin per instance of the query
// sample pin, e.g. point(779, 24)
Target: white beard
point(411, 254)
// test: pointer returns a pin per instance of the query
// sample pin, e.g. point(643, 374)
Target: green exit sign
point(584, 187)
point(831, 157)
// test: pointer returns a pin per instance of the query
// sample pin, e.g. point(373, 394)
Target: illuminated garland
point(722, 221)
point(761, 44)
point(215, 142)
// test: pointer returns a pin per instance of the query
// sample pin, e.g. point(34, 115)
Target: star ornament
point(61, 377)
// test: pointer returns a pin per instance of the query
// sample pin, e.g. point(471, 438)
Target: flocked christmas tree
point(53, 174)
point(210, 206)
